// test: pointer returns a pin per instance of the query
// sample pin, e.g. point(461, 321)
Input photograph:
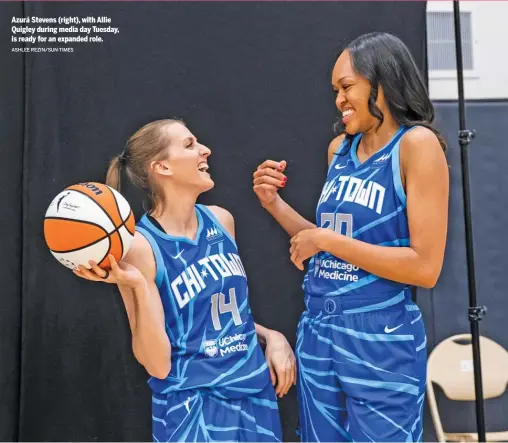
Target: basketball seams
point(98, 204)
point(121, 219)
point(65, 251)
point(108, 234)
point(107, 252)
point(85, 222)
point(125, 223)
point(76, 220)
point(116, 231)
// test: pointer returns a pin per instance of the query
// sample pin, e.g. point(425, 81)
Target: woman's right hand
point(122, 273)
point(268, 179)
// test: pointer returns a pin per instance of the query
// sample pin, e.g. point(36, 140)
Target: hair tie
point(122, 158)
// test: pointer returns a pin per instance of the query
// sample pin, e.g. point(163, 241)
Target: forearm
point(287, 217)
point(150, 342)
point(129, 302)
point(150, 336)
point(401, 264)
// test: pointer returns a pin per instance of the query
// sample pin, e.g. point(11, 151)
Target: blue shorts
point(361, 369)
point(199, 415)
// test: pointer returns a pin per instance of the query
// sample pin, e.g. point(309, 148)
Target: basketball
point(88, 221)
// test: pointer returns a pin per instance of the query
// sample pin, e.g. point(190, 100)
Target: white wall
point(489, 78)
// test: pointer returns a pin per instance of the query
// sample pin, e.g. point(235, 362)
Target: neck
point(177, 214)
point(375, 138)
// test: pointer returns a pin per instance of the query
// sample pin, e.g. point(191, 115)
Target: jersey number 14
point(219, 306)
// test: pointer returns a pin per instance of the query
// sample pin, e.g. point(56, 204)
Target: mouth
point(203, 167)
point(346, 115)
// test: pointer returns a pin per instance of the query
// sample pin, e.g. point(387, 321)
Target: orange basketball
point(88, 221)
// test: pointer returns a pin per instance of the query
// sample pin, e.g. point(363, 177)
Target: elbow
point(156, 369)
point(428, 277)
point(157, 362)
point(428, 283)
point(160, 371)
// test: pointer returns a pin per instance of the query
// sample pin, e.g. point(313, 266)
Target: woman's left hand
point(304, 246)
point(281, 362)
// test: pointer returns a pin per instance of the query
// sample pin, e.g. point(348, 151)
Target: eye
point(189, 145)
point(347, 87)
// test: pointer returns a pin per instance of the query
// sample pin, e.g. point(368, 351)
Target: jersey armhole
point(397, 179)
point(212, 216)
point(159, 261)
point(337, 153)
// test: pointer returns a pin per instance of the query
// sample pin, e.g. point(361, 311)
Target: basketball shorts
point(201, 415)
point(361, 369)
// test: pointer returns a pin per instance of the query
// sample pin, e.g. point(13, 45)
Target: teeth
point(203, 167)
point(347, 112)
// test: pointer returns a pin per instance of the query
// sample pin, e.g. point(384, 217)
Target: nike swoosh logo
point(177, 256)
point(340, 167)
point(388, 330)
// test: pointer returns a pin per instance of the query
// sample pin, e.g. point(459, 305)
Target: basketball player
point(186, 295)
point(381, 228)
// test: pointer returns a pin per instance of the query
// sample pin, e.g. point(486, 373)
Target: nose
point(340, 100)
point(205, 151)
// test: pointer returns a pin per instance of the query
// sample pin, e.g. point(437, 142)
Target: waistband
point(353, 304)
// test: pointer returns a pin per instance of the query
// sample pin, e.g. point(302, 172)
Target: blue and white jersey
point(204, 292)
point(365, 201)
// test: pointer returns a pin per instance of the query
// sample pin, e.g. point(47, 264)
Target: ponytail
point(113, 174)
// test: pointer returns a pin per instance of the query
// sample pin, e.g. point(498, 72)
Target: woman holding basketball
point(186, 295)
point(381, 228)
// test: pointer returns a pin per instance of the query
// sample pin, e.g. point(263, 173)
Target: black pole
point(476, 313)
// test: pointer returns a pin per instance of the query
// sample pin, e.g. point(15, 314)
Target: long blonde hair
point(147, 144)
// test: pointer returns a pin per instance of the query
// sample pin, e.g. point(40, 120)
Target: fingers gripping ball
point(88, 221)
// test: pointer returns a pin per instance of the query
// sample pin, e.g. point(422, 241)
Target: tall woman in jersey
point(186, 296)
point(380, 229)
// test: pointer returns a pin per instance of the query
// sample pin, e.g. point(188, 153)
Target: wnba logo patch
point(211, 349)
point(213, 235)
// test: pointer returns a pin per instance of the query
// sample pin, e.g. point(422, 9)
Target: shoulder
point(141, 256)
point(420, 149)
point(334, 146)
point(420, 141)
point(225, 218)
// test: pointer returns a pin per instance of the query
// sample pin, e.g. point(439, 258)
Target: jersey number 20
point(335, 221)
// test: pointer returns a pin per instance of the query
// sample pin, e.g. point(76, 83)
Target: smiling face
point(186, 164)
point(353, 92)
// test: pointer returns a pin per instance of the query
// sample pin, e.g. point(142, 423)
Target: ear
point(161, 167)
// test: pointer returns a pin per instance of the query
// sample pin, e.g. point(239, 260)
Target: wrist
point(261, 333)
point(269, 335)
point(323, 238)
point(273, 204)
